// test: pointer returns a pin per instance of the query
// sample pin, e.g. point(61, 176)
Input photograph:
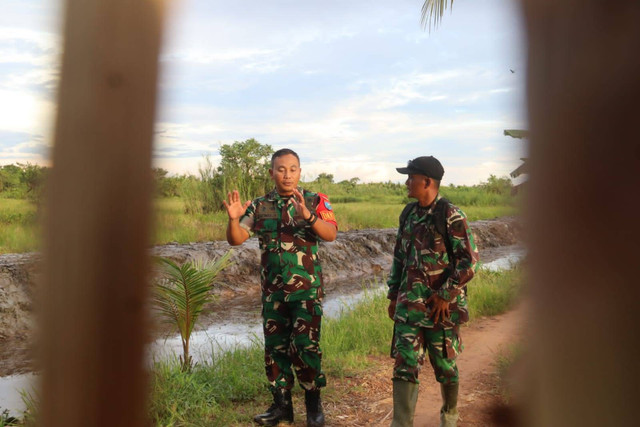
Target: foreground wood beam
point(97, 230)
point(583, 91)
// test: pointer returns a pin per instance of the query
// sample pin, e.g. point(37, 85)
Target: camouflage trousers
point(292, 338)
point(410, 343)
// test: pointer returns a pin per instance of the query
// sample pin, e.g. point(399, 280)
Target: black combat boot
point(315, 416)
point(281, 410)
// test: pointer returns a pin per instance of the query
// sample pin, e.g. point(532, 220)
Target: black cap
point(425, 165)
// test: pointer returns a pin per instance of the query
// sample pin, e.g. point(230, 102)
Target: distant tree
point(22, 181)
point(326, 178)
point(159, 173)
point(244, 166)
point(349, 184)
point(9, 177)
point(248, 158)
point(497, 185)
point(166, 186)
point(32, 176)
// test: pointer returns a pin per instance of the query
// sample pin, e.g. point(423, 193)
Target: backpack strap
point(440, 221)
point(405, 214)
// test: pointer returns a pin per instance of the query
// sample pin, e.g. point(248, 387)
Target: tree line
point(22, 181)
point(244, 165)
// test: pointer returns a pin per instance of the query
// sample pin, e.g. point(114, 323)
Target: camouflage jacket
point(290, 267)
point(421, 266)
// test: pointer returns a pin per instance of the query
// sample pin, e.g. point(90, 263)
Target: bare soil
point(367, 401)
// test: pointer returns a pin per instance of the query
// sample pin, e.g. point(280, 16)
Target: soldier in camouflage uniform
point(434, 258)
point(289, 222)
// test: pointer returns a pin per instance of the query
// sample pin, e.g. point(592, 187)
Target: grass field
point(358, 207)
point(231, 388)
point(19, 230)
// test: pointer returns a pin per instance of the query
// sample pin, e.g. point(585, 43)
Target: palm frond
point(432, 12)
point(184, 290)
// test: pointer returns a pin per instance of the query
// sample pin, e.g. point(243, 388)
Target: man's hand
point(392, 309)
point(235, 209)
point(440, 308)
point(298, 204)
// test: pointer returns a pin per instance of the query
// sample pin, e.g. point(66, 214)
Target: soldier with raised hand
point(289, 222)
point(434, 258)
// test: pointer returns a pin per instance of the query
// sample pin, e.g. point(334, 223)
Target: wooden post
point(97, 227)
point(583, 92)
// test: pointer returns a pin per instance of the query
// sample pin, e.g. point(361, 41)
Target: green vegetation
point(19, 231)
point(357, 206)
point(494, 292)
point(6, 419)
point(244, 166)
point(432, 11)
point(231, 388)
point(22, 181)
point(189, 208)
point(182, 292)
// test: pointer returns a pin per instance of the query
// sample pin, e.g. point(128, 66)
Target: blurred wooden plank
point(583, 91)
point(97, 231)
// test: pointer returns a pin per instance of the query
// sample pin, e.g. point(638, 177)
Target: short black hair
point(283, 152)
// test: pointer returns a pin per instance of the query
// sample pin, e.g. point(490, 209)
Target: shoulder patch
point(327, 205)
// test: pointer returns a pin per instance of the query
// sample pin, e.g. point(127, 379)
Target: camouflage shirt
point(290, 268)
point(421, 266)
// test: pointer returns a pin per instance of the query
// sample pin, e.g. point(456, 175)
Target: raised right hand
point(235, 209)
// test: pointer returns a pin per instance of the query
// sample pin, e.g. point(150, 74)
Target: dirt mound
point(492, 233)
point(354, 255)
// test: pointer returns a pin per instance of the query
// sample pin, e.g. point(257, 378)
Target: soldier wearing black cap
point(434, 258)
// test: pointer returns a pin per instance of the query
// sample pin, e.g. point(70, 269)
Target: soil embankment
point(353, 256)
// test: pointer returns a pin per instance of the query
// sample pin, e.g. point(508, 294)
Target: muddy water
point(231, 325)
point(358, 259)
point(240, 323)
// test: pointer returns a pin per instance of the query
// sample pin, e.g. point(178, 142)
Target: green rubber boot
point(449, 411)
point(405, 396)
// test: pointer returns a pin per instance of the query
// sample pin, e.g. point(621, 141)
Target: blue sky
point(356, 88)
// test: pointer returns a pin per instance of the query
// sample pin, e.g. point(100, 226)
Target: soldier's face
point(285, 174)
point(417, 185)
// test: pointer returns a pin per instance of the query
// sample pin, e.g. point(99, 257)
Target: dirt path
point(483, 340)
point(367, 401)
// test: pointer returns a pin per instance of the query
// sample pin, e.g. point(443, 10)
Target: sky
point(356, 88)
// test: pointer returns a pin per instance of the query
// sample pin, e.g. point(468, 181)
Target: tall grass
point(19, 227)
point(361, 215)
point(231, 388)
point(494, 292)
point(172, 224)
point(206, 395)
point(183, 220)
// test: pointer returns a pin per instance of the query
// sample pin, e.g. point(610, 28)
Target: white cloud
point(25, 46)
point(356, 87)
point(25, 112)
